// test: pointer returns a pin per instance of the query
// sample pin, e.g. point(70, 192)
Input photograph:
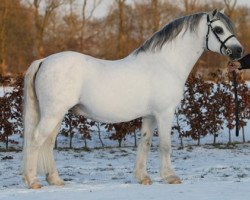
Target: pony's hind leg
point(32, 155)
point(140, 172)
point(52, 176)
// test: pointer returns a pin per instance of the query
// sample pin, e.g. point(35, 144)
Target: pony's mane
point(170, 31)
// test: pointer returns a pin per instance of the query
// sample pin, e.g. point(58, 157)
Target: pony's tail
point(31, 109)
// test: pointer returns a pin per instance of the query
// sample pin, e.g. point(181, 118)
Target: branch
point(96, 3)
point(230, 7)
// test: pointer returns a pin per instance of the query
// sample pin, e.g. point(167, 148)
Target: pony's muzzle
point(236, 52)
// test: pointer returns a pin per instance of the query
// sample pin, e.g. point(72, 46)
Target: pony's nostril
point(239, 50)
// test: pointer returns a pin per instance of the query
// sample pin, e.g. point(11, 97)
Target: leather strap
point(223, 43)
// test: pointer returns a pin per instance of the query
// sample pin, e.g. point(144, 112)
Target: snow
point(207, 172)
point(204, 191)
point(3, 90)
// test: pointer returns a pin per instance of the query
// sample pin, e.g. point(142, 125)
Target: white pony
point(148, 83)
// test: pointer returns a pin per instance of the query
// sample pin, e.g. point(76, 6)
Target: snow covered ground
point(207, 172)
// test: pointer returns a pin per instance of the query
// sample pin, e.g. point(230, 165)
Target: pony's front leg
point(164, 129)
point(140, 172)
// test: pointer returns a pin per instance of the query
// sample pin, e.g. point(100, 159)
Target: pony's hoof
point(146, 181)
point(58, 182)
point(55, 181)
point(35, 186)
point(173, 179)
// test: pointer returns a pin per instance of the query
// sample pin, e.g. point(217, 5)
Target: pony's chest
point(167, 93)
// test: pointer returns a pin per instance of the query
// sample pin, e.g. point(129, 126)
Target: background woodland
point(32, 29)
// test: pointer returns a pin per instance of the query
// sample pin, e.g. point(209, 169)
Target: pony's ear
point(223, 11)
point(213, 14)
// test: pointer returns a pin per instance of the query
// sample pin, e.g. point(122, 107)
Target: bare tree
point(189, 5)
point(156, 15)
point(86, 17)
point(3, 19)
point(121, 28)
point(72, 26)
point(230, 6)
point(41, 22)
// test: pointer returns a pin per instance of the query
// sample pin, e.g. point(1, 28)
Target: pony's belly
point(111, 114)
point(114, 99)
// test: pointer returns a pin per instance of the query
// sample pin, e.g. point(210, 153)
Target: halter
point(223, 43)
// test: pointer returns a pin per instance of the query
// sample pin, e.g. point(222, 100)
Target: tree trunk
point(85, 143)
point(156, 15)
point(7, 142)
point(230, 6)
point(39, 28)
point(99, 134)
point(119, 143)
point(70, 134)
point(70, 140)
point(85, 18)
point(42, 23)
point(3, 65)
point(135, 139)
point(214, 139)
point(243, 135)
point(56, 143)
point(121, 33)
point(229, 136)
point(181, 139)
point(189, 5)
point(199, 140)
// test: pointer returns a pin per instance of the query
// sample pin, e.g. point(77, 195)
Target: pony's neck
point(185, 50)
point(181, 54)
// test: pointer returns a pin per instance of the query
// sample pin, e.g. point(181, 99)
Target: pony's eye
point(218, 30)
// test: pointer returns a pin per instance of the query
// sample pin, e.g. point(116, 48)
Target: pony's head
point(220, 36)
